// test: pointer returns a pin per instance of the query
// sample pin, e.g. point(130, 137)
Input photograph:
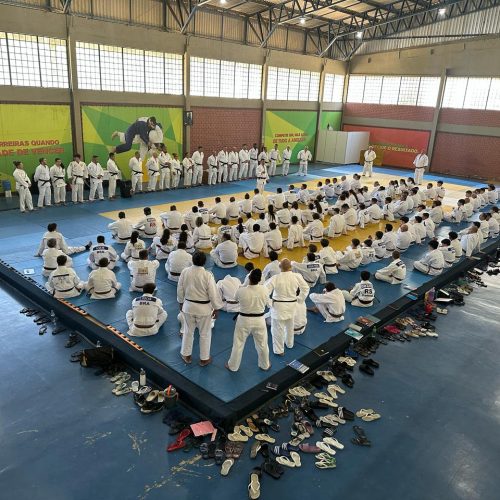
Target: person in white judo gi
point(42, 178)
point(304, 156)
point(262, 176)
point(96, 175)
point(433, 262)
point(188, 166)
point(23, 185)
point(49, 256)
point(200, 302)
point(64, 283)
point(421, 162)
point(197, 159)
point(121, 229)
point(287, 156)
point(253, 300)
point(148, 225)
point(102, 282)
point(177, 261)
point(212, 169)
point(233, 163)
point(153, 168)
point(362, 294)
point(172, 219)
point(102, 251)
point(165, 160)
point(223, 158)
point(244, 157)
point(77, 173)
point(136, 174)
point(274, 158)
point(147, 314)
point(58, 179)
point(113, 175)
point(202, 234)
point(227, 288)
point(142, 271)
point(287, 289)
point(370, 157)
point(52, 232)
point(395, 272)
point(311, 270)
point(145, 131)
point(225, 254)
point(330, 304)
point(253, 156)
point(252, 243)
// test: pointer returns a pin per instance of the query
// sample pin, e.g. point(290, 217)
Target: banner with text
point(105, 127)
point(400, 146)
point(290, 128)
point(330, 120)
point(31, 131)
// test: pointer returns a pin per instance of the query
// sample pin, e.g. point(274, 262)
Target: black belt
point(226, 263)
point(399, 279)
point(199, 164)
point(135, 172)
point(274, 249)
point(334, 315)
point(50, 268)
point(252, 315)
point(365, 301)
point(105, 293)
point(163, 167)
point(123, 239)
point(330, 265)
point(60, 178)
point(373, 218)
point(67, 290)
point(419, 167)
point(110, 173)
point(233, 302)
point(144, 326)
point(154, 171)
point(223, 163)
point(248, 249)
point(80, 176)
point(275, 300)
point(173, 228)
point(175, 274)
point(198, 301)
point(262, 178)
point(44, 181)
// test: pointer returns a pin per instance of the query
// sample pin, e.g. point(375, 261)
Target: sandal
point(256, 446)
point(226, 466)
point(237, 450)
point(360, 438)
point(272, 468)
point(254, 483)
point(323, 446)
point(287, 462)
point(326, 464)
point(333, 442)
point(179, 443)
point(308, 448)
point(251, 425)
point(264, 437)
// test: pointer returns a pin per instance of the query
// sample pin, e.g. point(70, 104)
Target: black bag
point(125, 188)
point(99, 357)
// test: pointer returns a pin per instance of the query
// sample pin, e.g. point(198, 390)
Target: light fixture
point(359, 34)
point(442, 12)
point(223, 2)
point(302, 20)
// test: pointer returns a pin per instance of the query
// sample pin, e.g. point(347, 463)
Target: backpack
point(98, 357)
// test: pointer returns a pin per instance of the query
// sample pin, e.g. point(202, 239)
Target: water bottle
point(142, 377)
point(53, 317)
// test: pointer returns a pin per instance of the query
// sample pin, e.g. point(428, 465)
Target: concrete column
point(435, 119)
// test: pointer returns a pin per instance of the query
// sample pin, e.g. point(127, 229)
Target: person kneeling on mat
point(147, 314)
point(363, 293)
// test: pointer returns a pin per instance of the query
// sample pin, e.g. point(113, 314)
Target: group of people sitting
point(265, 226)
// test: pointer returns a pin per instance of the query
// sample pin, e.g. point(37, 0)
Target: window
point(333, 90)
point(88, 67)
point(390, 90)
point(494, 95)
point(356, 88)
point(408, 91)
point(32, 61)
point(454, 92)
point(104, 67)
point(24, 60)
point(133, 70)
point(4, 61)
point(215, 78)
point(173, 74)
point(155, 72)
point(428, 91)
point(477, 92)
point(401, 90)
point(373, 87)
point(111, 60)
point(292, 85)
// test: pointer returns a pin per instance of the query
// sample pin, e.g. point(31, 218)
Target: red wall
point(214, 128)
point(474, 117)
point(472, 156)
point(387, 111)
point(399, 146)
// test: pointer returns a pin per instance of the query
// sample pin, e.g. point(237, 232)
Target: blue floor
point(65, 436)
point(20, 235)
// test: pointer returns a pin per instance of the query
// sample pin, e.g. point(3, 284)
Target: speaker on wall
point(188, 118)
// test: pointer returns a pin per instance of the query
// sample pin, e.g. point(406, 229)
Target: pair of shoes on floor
point(367, 366)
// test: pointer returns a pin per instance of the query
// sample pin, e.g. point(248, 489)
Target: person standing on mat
point(253, 300)
point(304, 156)
point(77, 172)
point(199, 301)
point(274, 158)
point(262, 176)
point(253, 154)
point(244, 157)
point(153, 167)
point(23, 185)
point(42, 177)
point(113, 171)
point(287, 155)
point(96, 174)
point(197, 160)
point(135, 165)
point(421, 162)
point(57, 176)
point(147, 314)
point(370, 156)
point(287, 288)
point(165, 163)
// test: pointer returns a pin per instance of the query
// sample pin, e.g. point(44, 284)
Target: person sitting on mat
point(433, 262)
point(102, 282)
point(395, 272)
point(147, 314)
point(330, 304)
point(64, 283)
point(363, 293)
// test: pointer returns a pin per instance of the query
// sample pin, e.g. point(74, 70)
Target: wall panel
point(390, 112)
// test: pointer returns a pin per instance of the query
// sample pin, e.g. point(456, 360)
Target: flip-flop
point(123, 391)
point(333, 442)
point(327, 375)
point(323, 395)
point(179, 443)
point(330, 464)
point(246, 430)
point(308, 448)
point(361, 436)
point(371, 417)
point(219, 456)
point(363, 412)
point(42, 331)
point(204, 451)
point(279, 451)
point(331, 390)
point(264, 437)
point(296, 458)
point(323, 446)
point(287, 462)
point(254, 483)
point(337, 388)
point(118, 376)
point(226, 466)
point(344, 413)
point(251, 425)
point(329, 402)
point(256, 446)
point(237, 437)
point(119, 387)
point(237, 450)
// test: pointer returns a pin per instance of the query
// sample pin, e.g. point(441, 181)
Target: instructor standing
point(421, 162)
point(199, 301)
point(370, 156)
point(287, 289)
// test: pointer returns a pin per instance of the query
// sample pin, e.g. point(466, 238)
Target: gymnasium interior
point(416, 413)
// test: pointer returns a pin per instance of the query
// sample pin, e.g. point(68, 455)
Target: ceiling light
point(359, 34)
point(223, 2)
point(302, 20)
point(442, 12)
